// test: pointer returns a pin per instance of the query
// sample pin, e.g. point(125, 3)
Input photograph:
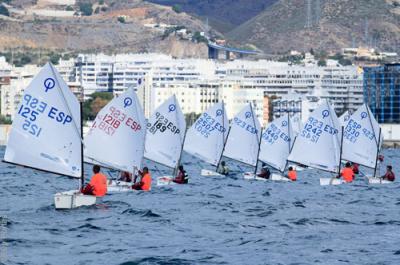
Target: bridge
point(214, 49)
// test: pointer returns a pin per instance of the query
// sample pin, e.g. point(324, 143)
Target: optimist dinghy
point(276, 143)
point(165, 137)
point(318, 144)
point(116, 138)
point(243, 142)
point(362, 142)
point(207, 136)
point(46, 134)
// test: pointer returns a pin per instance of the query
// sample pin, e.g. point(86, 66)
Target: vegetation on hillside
point(96, 102)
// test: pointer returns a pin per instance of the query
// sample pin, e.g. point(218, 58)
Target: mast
point(258, 153)
point(223, 134)
point(82, 165)
point(259, 140)
point(341, 149)
point(377, 152)
point(180, 155)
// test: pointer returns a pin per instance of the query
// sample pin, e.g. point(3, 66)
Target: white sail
point(318, 144)
point(46, 128)
point(116, 138)
point(244, 137)
point(344, 118)
point(360, 139)
point(276, 142)
point(165, 134)
point(296, 123)
point(206, 138)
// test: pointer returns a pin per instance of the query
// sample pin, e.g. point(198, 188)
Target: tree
point(322, 62)
point(96, 102)
point(177, 8)
point(54, 58)
point(69, 8)
point(86, 9)
point(197, 37)
point(4, 11)
point(5, 120)
point(121, 19)
point(101, 2)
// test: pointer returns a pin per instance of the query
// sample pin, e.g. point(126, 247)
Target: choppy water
point(209, 221)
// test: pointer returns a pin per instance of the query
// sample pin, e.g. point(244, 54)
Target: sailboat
point(345, 118)
point(166, 130)
point(46, 134)
point(276, 144)
point(362, 141)
point(243, 141)
point(318, 144)
point(116, 138)
point(206, 138)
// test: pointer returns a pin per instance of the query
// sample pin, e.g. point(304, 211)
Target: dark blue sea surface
point(210, 221)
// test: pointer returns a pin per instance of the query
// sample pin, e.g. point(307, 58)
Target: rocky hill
point(224, 15)
point(118, 25)
point(336, 24)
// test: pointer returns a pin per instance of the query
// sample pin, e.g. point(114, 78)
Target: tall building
point(382, 92)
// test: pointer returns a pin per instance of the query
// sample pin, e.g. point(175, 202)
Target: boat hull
point(374, 181)
point(118, 186)
point(73, 199)
point(330, 181)
point(210, 173)
point(273, 177)
point(165, 181)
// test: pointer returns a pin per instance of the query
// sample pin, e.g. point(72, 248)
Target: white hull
point(119, 186)
point(330, 181)
point(73, 199)
point(210, 173)
point(273, 177)
point(165, 180)
point(372, 180)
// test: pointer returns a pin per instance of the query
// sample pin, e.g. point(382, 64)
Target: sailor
point(125, 176)
point(264, 172)
point(223, 169)
point(97, 185)
point(389, 175)
point(145, 182)
point(292, 174)
point(182, 177)
point(355, 167)
point(347, 173)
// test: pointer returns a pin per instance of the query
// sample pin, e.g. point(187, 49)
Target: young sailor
point(145, 182)
point(355, 167)
point(182, 177)
point(97, 185)
point(292, 174)
point(389, 175)
point(347, 173)
point(264, 172)
point(223, 169)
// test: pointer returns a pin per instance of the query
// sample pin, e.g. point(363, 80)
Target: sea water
point(210, 221)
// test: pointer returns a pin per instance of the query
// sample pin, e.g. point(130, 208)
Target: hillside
point(44, 25)
point(342, 23)
point(224, 15)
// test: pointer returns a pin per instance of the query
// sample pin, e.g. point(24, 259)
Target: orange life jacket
point(146, 179)
point(347, 174)
point(292, 175)
point(99, 184)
